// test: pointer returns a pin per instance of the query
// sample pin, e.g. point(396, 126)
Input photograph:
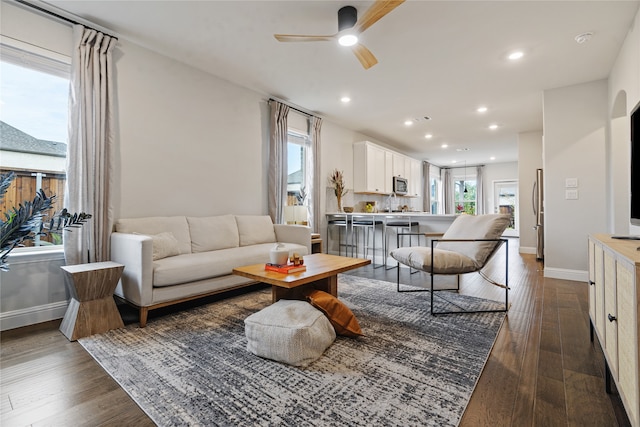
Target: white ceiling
point(440, 59)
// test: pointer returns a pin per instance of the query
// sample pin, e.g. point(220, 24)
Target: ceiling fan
point(349, 28)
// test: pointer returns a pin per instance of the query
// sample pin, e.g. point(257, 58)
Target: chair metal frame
point(500, 242)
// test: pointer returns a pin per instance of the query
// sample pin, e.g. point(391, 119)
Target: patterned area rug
point(192, 368)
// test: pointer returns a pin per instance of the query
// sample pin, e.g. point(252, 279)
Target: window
point(298, 150)
point(434, 189)
point(465, 195)
point(34, 88)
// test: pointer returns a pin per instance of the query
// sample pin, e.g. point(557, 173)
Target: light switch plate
point(571, 183)
point(571, 194)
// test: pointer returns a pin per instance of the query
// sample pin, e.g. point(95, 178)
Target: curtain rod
point(62, 17)
point(298, 109)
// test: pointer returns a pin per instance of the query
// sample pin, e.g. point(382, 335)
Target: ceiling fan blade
point(379, 9)
point(302, 38)
point(365, 56)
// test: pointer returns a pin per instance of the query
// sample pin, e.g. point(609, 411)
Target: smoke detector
point(583, 38)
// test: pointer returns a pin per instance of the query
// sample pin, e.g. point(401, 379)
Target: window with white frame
point(464, 193)
point(435, 193)
point(34, 95)
point(298, 152)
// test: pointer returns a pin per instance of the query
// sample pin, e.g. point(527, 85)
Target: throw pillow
point(164, 245)
point(340, 316)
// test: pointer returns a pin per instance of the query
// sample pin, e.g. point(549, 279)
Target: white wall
point(624, 95)
point(574, 147)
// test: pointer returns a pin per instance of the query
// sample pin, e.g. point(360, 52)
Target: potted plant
point(25, 222)
point(336, 179)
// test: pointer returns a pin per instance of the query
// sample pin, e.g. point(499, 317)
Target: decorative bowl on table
point(348, 209)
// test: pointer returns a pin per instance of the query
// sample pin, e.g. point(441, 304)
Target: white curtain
point(277, 191)
point(90, 151)
point(426, 187)
point(313, 177)
point(479, 190)
point(448, 190)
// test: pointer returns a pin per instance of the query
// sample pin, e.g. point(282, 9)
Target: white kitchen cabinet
point(401, 165)
point(371, 168)
point(614, 312)
point(415, 178)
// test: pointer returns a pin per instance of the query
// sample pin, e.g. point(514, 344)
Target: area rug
point(192, 368)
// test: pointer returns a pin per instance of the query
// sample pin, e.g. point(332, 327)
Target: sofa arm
point(300, 234)
point(135, 252)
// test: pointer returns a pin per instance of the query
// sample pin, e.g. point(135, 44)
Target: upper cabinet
point(374, 168)
point(415, 178)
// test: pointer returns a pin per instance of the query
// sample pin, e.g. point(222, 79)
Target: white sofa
point(174, 259)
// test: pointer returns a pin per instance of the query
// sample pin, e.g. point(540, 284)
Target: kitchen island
point(364, 234)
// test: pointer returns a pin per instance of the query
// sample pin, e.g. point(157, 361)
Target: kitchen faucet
point(389, 201)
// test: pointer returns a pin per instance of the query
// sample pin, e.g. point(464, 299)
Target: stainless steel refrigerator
point(538, 211)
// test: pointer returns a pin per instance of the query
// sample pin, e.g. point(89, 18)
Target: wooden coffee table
point(322, 273)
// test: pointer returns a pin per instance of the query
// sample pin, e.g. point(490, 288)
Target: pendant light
point(465, 176)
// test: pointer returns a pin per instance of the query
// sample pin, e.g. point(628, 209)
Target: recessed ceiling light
point(428, 136)
point(516, 55)
point(348, 40)
point(493, 126)
point(345, 99)
point(482, 109)
point(492, 158)
point(408, 122)
point(444, 145)
point(454, 161)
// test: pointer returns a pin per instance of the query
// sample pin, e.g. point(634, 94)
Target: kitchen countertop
point(413, 214)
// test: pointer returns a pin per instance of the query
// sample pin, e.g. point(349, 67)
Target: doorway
point(505, 201)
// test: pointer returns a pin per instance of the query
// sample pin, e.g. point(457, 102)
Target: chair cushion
point(490, 226)
point(213, 232)
point(340, 316)
point(289, 331)
point(445, 262)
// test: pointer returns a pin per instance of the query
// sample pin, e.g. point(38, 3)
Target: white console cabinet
point(614, 311)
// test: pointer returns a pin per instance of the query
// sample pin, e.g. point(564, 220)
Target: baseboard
point(32, 315)
point(527, 250)
point(565, 274)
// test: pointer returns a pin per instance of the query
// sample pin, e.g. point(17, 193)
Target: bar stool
point(368, 224)
point(401, 224)
point(341, 222)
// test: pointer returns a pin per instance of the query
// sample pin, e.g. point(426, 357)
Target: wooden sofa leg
point(143, 316)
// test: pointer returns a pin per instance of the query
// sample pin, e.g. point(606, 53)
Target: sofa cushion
point(289, 331)
point(176, 225)
point(213, 232)
point(255, 229)
point(204, 265)
point(164, 245)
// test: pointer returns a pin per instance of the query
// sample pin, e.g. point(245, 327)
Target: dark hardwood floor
point(542, 371)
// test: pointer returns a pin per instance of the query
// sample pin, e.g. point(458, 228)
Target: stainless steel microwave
point(400, 185)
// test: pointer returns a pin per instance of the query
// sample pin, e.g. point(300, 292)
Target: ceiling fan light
point(348, 40)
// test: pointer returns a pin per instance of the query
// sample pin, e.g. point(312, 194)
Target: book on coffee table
point(285, 268)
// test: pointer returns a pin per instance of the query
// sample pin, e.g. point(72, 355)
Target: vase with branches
point(336, 179)
point(30, 219)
